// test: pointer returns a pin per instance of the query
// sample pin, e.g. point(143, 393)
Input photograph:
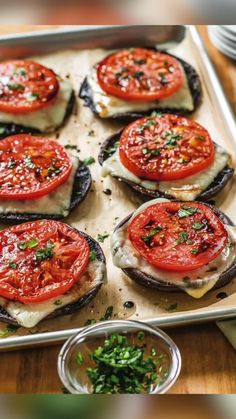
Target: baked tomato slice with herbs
point(40, 260)
point(26, 86)
point(165, 147)
point(31, 167)
point(140, 74)
point(178, 237)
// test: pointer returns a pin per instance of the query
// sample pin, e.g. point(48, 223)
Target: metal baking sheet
point(151, 306)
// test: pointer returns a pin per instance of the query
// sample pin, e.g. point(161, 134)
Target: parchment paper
point(100, 213)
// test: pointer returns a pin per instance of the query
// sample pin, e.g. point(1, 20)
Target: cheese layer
point(29, 315)
point(107, 105)
point(196, 283)
point(186, 189)
point(56, 202)
point(47, 119)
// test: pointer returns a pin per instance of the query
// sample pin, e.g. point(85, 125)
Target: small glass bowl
point(74, 377)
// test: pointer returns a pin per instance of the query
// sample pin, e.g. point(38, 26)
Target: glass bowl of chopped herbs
point(119, 357)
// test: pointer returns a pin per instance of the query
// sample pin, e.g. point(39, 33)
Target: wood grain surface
point(209, 361)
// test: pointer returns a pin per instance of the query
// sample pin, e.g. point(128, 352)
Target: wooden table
point(209, 361)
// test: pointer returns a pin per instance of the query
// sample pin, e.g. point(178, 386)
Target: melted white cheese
point(56, 202)
point(196, 283)
point(47, 119)
point(186, 189)
point(107, 105)
point(29, 315)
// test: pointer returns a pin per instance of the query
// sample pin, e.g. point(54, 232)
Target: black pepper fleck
point(107, 191)
point(129, 304)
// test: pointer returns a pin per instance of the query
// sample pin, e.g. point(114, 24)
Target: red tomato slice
point(140, 74)
point(178, 237)
point(26, 86)
point(167, 147)
point(31, 167)
point(40, 260)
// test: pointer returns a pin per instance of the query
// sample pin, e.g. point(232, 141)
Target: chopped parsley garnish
point(92, 255)
point(46, 253)
point(102, 237)
point(141, 335)
point(186, 211)
point(198, 226)
point(157, 114)
point(121, 367)
point(31, 97)
point(108, 313)
point(70, 147)
point(32, 243)
point(11, 164)
point(194, 251)
point(171, 139)
point(183, 238)
point(172, 307)
point(11, 328)
point(140, 61)
point(21, 71)
point(15, 86)
point(152, 152)
point(28, 162)
point(12, 265)
point(2, 130)
point(79, 358)
point(148, 238)
point(89, 160)
point(113, 148)
point(150, 122)
point(137, 74)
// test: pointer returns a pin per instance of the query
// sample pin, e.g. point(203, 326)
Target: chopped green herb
point(183, 238)
point(140, 61)
point(70, 147)
point(148, 238)
point(152, 152)
point(2, 130)
point(12, 265)
point(194, 251)
point(150, 122)
point(157, 114)
point(79, 358)
point(141, 335)
point(21, 71)
point(46, 253)
point(32, 243)
point(11, 328)
point(11, 164)
point(15, 86)
point(101, 237)
point(172, 307)
point(186, 211)
point(198, 226)
point(108, 313)
point(89, 160)
point(171, 139)
point(31, 97)
point(28, 162)
point(58, 303)
point(113, 148)
point(92, 255)
point(121, 367)
point(137, 74)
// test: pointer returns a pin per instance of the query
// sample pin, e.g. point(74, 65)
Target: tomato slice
point(165, 147)
point(40, 260)
point(26, 86)
point(178, 237)
point(140, 74)
point(31, 167)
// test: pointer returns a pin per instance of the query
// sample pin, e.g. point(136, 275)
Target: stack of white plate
point(224, 39)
